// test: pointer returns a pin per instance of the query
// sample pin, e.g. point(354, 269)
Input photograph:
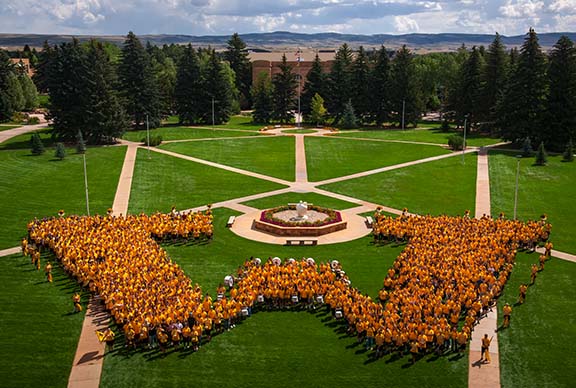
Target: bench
point(369, 221)
point(231, 220)
point(302, 241)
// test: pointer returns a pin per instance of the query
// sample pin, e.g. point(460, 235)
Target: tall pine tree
point(217, 90)
point(6, 107)
point(467, 97)
point(188, 90)
point(521, 111)
point(404, 89)
point(105, 116)
point(380, 88)
point(138, 84)
point(42, 68)
point(285, 84)
point(361, 97)
point(263, 99)
point(339, 82)
point(494, 79)
point(561, 118)
point(237, 56)
point(315, 84)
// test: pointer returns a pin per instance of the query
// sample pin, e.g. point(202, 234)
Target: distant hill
point(279, 40)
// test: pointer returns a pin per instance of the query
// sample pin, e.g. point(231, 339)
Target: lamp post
point(213, 117)
point(464, 144)
point(518, 157)
point(86, 185)
point(148, 135)
point(403, 112)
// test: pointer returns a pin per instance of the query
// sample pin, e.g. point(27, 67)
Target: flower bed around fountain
point(282, 221)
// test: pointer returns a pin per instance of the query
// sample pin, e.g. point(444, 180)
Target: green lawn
point(39, 332)
point(23, 141)
point(7, 127)
point(241, 122)
point(549, 189)
point(316, 199)
point(536, 350)
point(273, 156)
point(183, 133)
point(329, 157)
point(38, 186)
point(441, 187)
point(165, 181)
point(283, 349)
point(425, 135)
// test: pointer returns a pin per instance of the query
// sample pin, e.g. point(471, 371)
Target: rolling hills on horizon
point(279, 40)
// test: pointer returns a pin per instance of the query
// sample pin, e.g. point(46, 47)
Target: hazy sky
point(208, 17)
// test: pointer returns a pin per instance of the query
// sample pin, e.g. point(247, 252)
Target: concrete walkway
point(122, 197)
point(10, 251)
point(87, 366)
point(10, 133)
point(481, 375)
point(301, 169)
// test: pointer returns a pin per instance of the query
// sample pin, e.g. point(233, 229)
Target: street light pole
point(464, 144)
point(213, 118)
point(403, 112)
point(148, 135)
point(518, 157)
point(86, 185)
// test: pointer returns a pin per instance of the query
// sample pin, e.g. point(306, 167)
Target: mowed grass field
point(164, 181)
point(283, 349)
point(273, 156)
point(39, 186)
point(331, 157)
point(39, 331)
point(537, 348)
point(184, 133)
point(547, 189)
point(423, 135)
point(445, 186)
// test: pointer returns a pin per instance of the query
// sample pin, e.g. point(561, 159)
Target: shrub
point(445, 127)
point(527, 148)
point(541, 156)
point(33, 120)
point(349, 120)
point(36, 144)
point(154, 140)
point(80, 143)
point(456, 142)
point(60, 151)
point(568, 155)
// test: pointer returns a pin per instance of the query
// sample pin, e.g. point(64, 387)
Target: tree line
point(17, 91)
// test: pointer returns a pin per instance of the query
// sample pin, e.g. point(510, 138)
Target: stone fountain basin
point(295, 230)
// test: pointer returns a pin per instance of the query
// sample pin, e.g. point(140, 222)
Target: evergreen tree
point(380, 88)
point(60, 152)
point(15, 92)
point(29, 93)
point(68, 87)
point(468, 95)
point(237, 56)
point(317, 110)
point(263, 99)
point(541, 156)
point(561, 119)
point(526, 147)
point(349, 120)
point(139, 88)
point(36, 144)
point(218, 89)
point(80, 143)
point(404, 89)
point(494, 77)
point(284, 93)
point(361, 97)
point(568, 155)
point(339, 82)
point(521, 111)
point(165, 72)
point(315, 84)
point(42, 68)
point(188, 89)
point(105, 116)
point(6, 107)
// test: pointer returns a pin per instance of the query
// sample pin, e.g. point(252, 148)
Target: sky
point(224, 17)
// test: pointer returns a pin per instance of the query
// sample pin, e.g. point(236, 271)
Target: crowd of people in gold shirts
point(449, 274)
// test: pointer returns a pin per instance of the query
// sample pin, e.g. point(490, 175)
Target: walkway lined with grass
point(10, 133)
point(87, 366)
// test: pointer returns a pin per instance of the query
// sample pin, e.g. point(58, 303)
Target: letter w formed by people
point(450, 267)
